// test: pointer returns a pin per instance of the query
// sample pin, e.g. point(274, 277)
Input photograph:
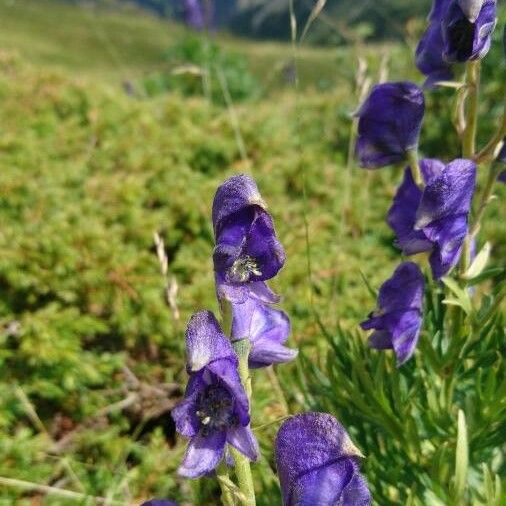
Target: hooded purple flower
point(194, 14)
point(389, 124)
point(398, 319)
point(215, 410)
point(247, 249)
point(436, 219)
point(467, 27)
point(501, 157)
point(266, 328)
point(318, 464)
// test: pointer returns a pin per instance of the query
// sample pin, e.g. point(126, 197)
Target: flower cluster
point(458, 31)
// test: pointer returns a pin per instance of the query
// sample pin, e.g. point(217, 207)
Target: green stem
point(472, 86)
point(414, 165)
point(242, 464)
point(227, 498)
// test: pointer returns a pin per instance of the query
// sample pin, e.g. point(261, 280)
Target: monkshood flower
point(215, 410)
point(467, 27)
point(398, 319)
point(266, 328)
point(436, 219)
point(501, 157)
point(247, 249)
point(318, 464)
point(389, 124)
point(194, 14)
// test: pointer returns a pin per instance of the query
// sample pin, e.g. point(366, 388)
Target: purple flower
point(501, 158)
point(193, 14)
point(318, 464)
point(266, 328)
point(467, 27)
point(247, 249)
point(398, 319)
point(159, 502)
point(389, 124)
point(215, 410)
point(436, 219)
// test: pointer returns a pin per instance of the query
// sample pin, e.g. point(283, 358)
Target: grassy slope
point(89, 173)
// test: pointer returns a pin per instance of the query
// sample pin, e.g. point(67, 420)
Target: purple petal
point(466, 40)
point(202, 455)
point(239, 293)
point(194, 15)
point(448, 235)
point(206, 342)
point(226, 371)
point(389, 123)
point(502, 177)
point(402, 215)
point(448, 194)
point(159, 502)
point(438, 9)
point(380, 339)
point(404, 290)
point(309, 448)
point(185, 416)
point(323, 486)
point(356, 493)
point(234, 195)
point(243, 440)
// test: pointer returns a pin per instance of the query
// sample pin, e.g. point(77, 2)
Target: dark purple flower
point(398, 319)
point(159, 502)
point(318, 464)
point(215, 410)
point(266, 328)
point(436, 219)
point(247, 249)
point(389, 124)
point(501, 157)
point(467, 27)
point(429, 56)
point(193, 14)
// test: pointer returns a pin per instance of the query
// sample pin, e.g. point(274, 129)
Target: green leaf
point(479, 263)
point(462, 298)
point(461, 458)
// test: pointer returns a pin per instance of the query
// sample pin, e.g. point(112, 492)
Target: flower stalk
point(412, 155)
point(472, 85)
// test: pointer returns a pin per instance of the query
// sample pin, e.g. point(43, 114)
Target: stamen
point(242, 268)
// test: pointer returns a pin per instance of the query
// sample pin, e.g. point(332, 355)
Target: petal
point(243, 440)
point(185, 416)
point(266, 352)
point(450, 193)
point(235, 194)
point(205, 341)
point(405, 330)
point(159, 502)
point(471, 8)
point(306, 443)
point(389, 123)
point(402, 214)
point(202, 455)
point(381, 340)
point(448, 235)
point(323, 486)
point(404, 290)
point(226, 371)
point(356, 493)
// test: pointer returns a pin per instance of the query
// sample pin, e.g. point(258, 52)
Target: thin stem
point(414, 165)
point(227, 498)
point(485, 199)
point(242, 464)
point(472, 85)
point(489, 150)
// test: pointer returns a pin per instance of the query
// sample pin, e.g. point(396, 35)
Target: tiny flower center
point(461, 36)
point(215, 409)
point(242, 268)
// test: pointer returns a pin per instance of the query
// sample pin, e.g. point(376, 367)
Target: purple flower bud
point(389, 124)
point(266, 328)
point(435, 220)
point(398, 319)
point(247, 249)
point(215, 410)
point(465, 38)
point(318, 464)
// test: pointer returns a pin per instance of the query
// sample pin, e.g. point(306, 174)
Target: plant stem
point(242, 465)
point(472, 85)
point(414, 164)
point(227, 497)
point(489, 150)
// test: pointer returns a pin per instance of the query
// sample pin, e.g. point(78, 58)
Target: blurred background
point(118, 120)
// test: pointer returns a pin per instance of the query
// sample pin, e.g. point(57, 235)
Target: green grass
point(88, 173)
